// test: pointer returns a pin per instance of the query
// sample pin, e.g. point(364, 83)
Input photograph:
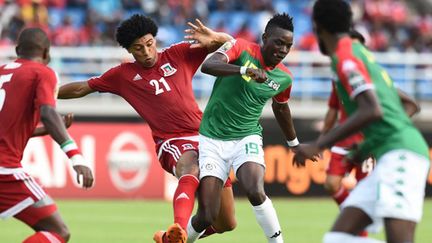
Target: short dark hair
point(357, 35)
point(281, 20)
point(32, 42)
point(335, 16)
point(133, 28)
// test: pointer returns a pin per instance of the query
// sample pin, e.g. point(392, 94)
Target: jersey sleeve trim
point(361, 89)
point(223, 53)
point(280, 102)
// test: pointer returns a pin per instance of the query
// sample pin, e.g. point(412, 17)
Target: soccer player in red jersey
point(158, 85)
point(27, 95)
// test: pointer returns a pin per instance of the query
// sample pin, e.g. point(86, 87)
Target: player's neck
point(34, 59)
point(331, 42)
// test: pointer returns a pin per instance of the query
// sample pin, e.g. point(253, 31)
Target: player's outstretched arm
point(205, 37)
point(410, 105)
point(53, 123)
point(74, 90)
point(41, 131)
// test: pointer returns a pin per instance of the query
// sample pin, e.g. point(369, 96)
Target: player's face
point(277, 43)
point(321, 45)
point(144, 50)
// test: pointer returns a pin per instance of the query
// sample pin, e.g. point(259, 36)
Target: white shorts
point(216, 157)
point(394, 189)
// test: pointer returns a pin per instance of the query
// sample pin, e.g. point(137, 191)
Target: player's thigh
point(351, 220)
point(226, 220)
point(399, 231)
point(179, 156)
point(214, 158)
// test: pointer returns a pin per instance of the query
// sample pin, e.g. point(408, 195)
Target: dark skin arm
point(41, 131)
point(283, 116)
point(368, 111)
point(53, 123)
point(74, 90)
point(329, 120)
point(410, 106)
point(217, 65)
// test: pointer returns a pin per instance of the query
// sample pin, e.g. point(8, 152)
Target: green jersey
point(357, 71)
point(237, 101)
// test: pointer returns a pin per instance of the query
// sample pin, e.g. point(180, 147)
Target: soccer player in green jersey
point(393, 193)
point(230, 135)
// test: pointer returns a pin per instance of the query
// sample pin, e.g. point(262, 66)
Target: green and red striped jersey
point(237, 101)
point(357, 71)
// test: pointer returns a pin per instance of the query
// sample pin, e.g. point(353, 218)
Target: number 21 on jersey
point(157, 84)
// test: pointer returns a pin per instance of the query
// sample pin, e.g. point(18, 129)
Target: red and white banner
point(122, 156)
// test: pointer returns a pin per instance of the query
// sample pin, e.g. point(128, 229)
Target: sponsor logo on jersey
point(187, 146)
point(137, 77)
point(272, 84)
point(168, 69)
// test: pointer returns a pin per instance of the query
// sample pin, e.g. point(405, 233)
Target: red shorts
point(170, 151)
point(19, 191)
point(338, 167)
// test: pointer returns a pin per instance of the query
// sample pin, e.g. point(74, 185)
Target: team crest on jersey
point(188, 146)
point(168, 69)
point(272, 84)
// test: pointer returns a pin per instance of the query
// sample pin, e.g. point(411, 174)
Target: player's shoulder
point(245, 44)
point(284, 69)
point(176, 46)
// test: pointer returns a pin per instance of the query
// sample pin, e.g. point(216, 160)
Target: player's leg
point(209, 202)
point(335, 173)
point(251, 177)
point(399, 231)
point(46, 221)
point(225, 220)
point(180, 158)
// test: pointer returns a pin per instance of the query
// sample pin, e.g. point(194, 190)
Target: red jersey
point(162, 94)
point(24, 86)
point(334, 103)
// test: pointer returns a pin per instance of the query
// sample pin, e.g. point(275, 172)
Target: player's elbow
point(206, 67)
point(375, 114)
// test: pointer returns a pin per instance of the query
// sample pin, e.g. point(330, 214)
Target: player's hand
point(86, 174)
point(68, 119)
point(304, 152)
point(200, 34)
point(258, 75)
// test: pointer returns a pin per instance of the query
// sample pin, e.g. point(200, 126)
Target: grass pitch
point(128, 221)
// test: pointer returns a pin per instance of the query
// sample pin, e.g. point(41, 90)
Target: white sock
point(192, 235)
point(266, 216)
point(337, 237)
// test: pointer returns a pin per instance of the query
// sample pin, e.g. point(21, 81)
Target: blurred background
point(118, 143)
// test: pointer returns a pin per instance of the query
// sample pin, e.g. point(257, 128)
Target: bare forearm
point(220, 68)
point(53, 124)
point(39, 131)
point(329, 120)
point(74, 90)
point(219, 39)
point(284, 119)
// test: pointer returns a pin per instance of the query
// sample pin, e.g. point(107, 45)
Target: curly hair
point(133, 28)
point(282, 20)
point(335, 16)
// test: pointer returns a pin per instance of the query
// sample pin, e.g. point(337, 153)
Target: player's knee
point(64, 233)
point(207, 217)
point(256, 196)
point(332, 185)
point(188, 166)
point(230, 225)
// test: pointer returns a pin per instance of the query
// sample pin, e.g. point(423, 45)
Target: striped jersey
point(357, 72)
point(237, 101)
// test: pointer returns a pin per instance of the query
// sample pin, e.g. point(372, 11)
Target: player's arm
point(74, 90)
point(368, 111)
point(282, 114)
point(204, 37)
point(411, 107)
point(53, 123)
point(329, 120)
point(217, 65)
point(41, 131)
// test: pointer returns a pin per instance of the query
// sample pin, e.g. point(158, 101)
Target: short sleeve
point(192, 56)
point(232, 49)
point(333, 101)
point(354, 76)
point(283, 96)
point(46, 89)
point(107, 82)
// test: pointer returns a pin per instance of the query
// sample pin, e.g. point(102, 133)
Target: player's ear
point(264, 37)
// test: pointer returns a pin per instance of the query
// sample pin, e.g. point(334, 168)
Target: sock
point(209, 231)
point(340, 195)
point(44, 237)
point(193, 235)
point(337, 237)
point(184, 199)
point(266, 216)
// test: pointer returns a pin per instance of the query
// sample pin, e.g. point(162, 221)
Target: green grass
point(302, 221)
